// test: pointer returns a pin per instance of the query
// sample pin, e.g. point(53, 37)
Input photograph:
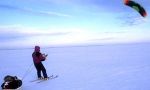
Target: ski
point(52, 77)
point(39, 79)
point(35, 80)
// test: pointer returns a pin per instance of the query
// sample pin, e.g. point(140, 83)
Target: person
point(38, 57)
point(11, 82)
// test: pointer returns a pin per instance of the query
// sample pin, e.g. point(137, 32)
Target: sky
point(25, 23)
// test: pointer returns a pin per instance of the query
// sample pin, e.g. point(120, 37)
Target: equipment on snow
point(11, 82)
point(49, 78)
point(44, 79)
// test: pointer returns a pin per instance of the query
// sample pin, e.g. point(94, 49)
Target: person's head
point(37, 49)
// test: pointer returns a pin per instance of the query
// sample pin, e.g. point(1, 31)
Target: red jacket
point(37, 57)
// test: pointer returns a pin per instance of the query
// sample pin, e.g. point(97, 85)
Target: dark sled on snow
point(11, 83)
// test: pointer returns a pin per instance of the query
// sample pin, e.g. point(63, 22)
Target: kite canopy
point(136, 6)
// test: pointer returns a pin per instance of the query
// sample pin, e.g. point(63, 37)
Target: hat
point(37, 49)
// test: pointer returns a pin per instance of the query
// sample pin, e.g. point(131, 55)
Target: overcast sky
point(60, 22)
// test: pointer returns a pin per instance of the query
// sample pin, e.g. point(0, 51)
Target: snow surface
point(99, 67)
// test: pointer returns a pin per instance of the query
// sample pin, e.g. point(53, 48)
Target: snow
point(94, 67)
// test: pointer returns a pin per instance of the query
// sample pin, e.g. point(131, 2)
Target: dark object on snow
point(11, 82)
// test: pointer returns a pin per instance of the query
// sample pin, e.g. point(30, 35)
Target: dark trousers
point(39, 67)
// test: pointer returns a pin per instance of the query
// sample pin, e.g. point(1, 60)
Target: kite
point(136, 6)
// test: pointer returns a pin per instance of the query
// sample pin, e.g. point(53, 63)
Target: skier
point(38, 57)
